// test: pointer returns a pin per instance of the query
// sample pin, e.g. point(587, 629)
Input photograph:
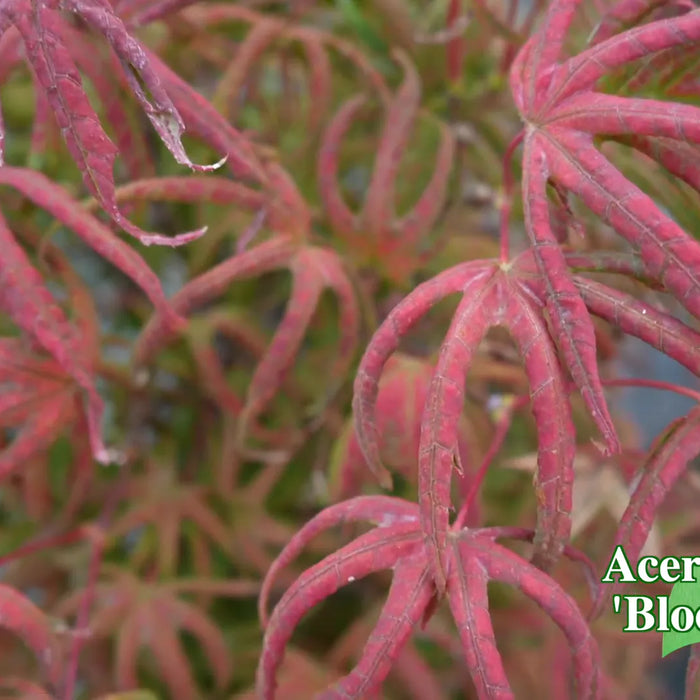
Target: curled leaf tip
point(200, 168)
point(603, 449)
point(149, 239)
point(103, 456)
point(384, 477)
point(110, 455)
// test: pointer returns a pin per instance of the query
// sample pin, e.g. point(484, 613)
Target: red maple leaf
point(400, 402)
point(23, 618)
point(397, 543)
point(50, 383)
point(563, 114)
point(47, 44)
point(376, 232)
point(313, 269)
point(515, 295)
point(153, 615)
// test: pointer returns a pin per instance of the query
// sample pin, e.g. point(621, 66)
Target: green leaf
point(365, 33)
point(683, 593)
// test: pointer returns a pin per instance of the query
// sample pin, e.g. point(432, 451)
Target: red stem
point(44, 543)
point(655, 384)
point(502, 428)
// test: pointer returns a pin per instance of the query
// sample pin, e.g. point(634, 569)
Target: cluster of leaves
point(352, 293)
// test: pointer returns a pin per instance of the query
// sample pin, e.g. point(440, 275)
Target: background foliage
point(271, 270)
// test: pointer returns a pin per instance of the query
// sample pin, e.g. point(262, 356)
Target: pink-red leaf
point(556, 433)
point(444, 406)
point(87, 142)
point(381, 510)
point(49, 196)
point(374, 551)
point(572, 325)
point(23, 618)
point(409, 596)
point(383, 344)
point(26, 300)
